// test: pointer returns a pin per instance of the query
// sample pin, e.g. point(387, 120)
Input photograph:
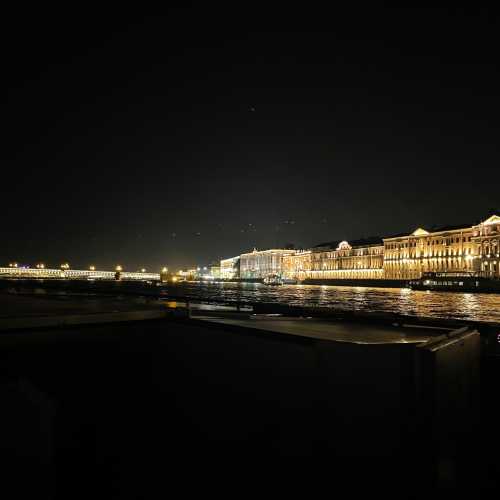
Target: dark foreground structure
point(147, 402)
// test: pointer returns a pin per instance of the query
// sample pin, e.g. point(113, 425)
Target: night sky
point(182, 139)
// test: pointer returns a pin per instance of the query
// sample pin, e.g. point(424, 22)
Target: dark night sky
point(125, 136)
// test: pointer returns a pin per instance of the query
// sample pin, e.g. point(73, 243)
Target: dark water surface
point(468, 306)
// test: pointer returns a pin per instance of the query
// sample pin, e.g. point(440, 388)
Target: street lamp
point(119, 268)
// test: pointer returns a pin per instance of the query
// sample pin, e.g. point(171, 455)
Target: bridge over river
point(42, 273)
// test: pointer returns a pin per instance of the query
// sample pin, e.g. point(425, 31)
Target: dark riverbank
point(141, 409)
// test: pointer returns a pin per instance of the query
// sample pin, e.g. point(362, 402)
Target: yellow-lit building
point(453, 249)
point(230, 268)
point(486, 239)
point(297, 265)
point(360, 259)
point(215, 271)
point(263, 263)
point(448, 249)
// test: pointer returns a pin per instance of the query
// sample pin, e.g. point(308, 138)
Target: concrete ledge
point(87, 319)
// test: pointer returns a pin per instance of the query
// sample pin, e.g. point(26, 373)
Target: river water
point(465, 306)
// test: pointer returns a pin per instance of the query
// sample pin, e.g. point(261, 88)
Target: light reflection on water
point(475, 307)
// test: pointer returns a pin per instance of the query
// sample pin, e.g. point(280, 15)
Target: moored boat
point(272, 279)
point(455, 282)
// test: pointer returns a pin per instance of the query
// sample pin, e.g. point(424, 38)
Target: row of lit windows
point(439, 241)
point(347, 265)
point(348, 253)
point(433, 253)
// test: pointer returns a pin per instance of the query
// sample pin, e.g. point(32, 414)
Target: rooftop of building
point(267, 250)
point(229, 259)
point(363, 242)
point(449, 227)
point(431, 230)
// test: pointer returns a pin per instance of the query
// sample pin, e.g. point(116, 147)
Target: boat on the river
point(455, 282)
point(273, 280)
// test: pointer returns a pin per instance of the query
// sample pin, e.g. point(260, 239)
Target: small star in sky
point(252, 109)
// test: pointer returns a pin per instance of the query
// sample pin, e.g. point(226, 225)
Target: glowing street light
point(41, 265)
point(65, 266)
point(92, 268)
point(119, 268)
point(164, 270)
point(143, 270)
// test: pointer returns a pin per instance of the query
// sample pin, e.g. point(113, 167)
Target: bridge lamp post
point(164, 275)
point(92, 268)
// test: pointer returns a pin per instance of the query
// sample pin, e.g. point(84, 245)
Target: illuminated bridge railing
point(22, 272)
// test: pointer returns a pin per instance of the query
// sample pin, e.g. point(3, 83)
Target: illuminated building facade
point(188, 274)
point(264, 263)
point(453, 249)
point(230, 268)
point(361, 259)
point(473, 249)
point(297, 265)
point(486, 238)
point(448, 249)
point(215, 271)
